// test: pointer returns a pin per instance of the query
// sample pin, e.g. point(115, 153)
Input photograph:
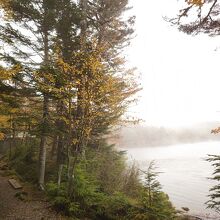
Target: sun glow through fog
point(180, 73)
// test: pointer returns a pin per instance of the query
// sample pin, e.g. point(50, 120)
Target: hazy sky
point(180, 73)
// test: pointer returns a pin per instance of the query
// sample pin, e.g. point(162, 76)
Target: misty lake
point(184, 174)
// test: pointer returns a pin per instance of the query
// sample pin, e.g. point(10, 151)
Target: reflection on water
point(185, 172)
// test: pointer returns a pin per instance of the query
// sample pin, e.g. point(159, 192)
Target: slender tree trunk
point(60, 127)
point(60, 145)
point(14, 135)
point(60, 174)
point(71, 167)
point(10, 146)
point(54, 147)
point(70, 175)
point(60, 158)
point(59, 149)
point(42, 152)
point(42, 162)
point(69, 144)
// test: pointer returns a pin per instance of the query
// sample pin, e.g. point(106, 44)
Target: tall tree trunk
point(60, 158)
point(10, 146)
point(60, 174)
point(60, 128)
point(60, 145)
point(14, 135)
point(54, 146)
point(42, 152)
point(76, 148)
point(60, 149)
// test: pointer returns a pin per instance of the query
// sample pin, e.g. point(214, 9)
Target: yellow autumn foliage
point(102, 90)
point(8, 73)
point(2, 136)
point(196, 2)
point(4, 3)
point(4, 119)
point(8, 13)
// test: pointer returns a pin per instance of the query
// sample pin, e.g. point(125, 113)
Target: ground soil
point(34, 206)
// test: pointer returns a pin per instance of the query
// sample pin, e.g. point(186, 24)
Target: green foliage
point(87, 200)
point(214, 196)
point(92, 198)
point(155, 204)
point(21, 195)
point(131, 184)
point(24, 152)
point(61, 201)
point(23, 159)
point(108, 166)
point(117, 207)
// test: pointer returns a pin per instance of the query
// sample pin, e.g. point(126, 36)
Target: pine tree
point(37, 19)
point(214, 196)
point(156, 204)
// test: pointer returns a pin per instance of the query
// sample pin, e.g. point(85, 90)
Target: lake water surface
point(184, 174)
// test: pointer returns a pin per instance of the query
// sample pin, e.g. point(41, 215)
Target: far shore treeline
point(151, 136)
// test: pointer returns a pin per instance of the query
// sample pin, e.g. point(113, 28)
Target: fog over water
point(184, 174)
point(179, 153)
point(148, 136)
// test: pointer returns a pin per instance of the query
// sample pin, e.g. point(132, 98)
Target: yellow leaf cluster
point(5, 4)
point(8, 73)
point(3, 119)
point(2, 136)
point(196, 2)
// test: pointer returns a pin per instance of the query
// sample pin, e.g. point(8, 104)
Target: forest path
point(34, 207)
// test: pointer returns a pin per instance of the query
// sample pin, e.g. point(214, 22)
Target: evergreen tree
point(31, 47)
point(156, 204)
point(214, 196)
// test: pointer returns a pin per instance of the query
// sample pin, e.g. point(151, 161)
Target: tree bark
point(60, 174)
point(42, 152)
point(54, 147)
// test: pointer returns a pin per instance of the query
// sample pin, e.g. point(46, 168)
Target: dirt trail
point(35, 207)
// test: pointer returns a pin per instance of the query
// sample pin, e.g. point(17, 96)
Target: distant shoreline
point(139, 136)
point(167, 145)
